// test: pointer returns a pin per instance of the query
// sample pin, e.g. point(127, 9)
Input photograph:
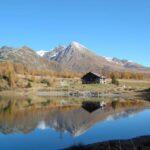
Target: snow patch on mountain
point(42, 125)
point(54, 55)
point(117, 61)
point(108, 59)
point(41, 53)
point(78, 45)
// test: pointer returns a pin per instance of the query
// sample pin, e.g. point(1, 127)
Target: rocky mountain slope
point(27, 57)
point(77, 57)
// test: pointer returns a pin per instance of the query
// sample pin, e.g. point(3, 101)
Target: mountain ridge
point(74, 57)
point(27, 57)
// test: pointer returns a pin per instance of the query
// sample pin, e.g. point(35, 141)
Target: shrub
point(31, 80)
point(29, 100)
point(114, 80)
point(29, 85)
point(45, 103)
point(45, 81)
point(3, 85)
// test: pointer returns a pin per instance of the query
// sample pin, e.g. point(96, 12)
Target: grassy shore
point(41, 90)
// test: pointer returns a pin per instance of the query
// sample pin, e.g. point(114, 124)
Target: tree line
point(126, 75)
point(9, 71)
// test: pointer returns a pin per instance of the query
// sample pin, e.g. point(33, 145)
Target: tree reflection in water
point(75, 120)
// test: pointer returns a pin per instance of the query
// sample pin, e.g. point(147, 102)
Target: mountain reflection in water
point(74, 120)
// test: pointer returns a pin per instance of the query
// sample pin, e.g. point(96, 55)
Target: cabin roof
point(96, 74)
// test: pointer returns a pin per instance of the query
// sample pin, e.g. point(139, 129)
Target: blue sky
point(119, 28)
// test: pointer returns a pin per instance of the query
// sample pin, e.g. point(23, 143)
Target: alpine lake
point(57, 123)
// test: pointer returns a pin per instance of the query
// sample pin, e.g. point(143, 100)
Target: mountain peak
point(77, 45)
point(25, 47)
point(59, 48)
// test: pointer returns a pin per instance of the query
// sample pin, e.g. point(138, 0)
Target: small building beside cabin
point(93, 78)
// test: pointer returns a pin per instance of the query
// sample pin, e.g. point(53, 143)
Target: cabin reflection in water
point(92, 106)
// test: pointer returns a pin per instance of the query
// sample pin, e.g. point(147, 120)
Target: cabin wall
point(93, 81)
point(90, 81)
point(102, 81)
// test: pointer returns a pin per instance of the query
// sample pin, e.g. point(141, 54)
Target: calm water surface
point(47, 129)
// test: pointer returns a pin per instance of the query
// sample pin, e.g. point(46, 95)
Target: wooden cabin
point(93, 78)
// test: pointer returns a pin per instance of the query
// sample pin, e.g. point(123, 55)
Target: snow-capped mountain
point(123, 62)
point(54, 54)
point(74, 57)
point(77, 57)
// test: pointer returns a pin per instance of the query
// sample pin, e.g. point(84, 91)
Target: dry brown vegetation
point(16, 75)
point(126, 75)
point(9, 75)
